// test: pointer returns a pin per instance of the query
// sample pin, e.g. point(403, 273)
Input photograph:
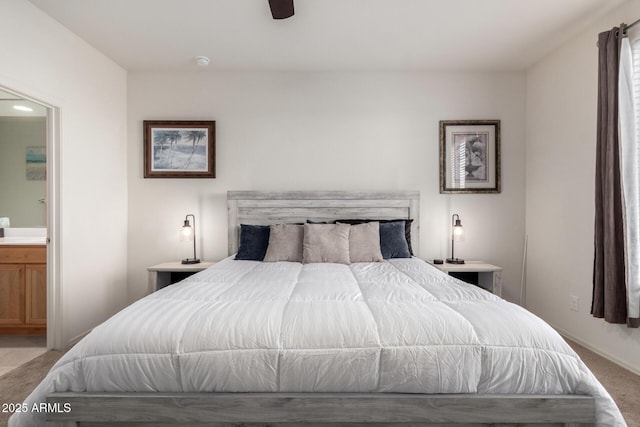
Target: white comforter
point(396, 326)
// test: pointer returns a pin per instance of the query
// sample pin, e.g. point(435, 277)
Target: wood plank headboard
point(264, 208)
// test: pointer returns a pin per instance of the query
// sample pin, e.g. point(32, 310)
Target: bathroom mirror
point(23, 137)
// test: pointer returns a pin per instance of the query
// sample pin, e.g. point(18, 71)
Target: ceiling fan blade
point(281, 9)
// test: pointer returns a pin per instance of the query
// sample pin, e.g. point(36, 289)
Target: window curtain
point(629, 110)
point(609, 285)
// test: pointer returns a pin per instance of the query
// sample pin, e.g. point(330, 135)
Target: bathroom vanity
point(23, 285)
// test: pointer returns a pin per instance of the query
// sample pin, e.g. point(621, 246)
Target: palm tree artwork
point(195, 136)
point(179, 149)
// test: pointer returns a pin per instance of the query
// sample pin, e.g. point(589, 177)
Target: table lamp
point(457, 235)
point(188, 233)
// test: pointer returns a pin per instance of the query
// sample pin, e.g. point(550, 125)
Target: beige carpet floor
point(15, 350)
point(16, 385)
point(622, 384)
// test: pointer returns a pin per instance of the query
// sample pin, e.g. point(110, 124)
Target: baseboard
point(599, 352)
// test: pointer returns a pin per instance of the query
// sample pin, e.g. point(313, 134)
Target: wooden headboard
point(264, 208)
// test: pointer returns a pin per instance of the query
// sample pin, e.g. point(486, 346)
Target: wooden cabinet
point(35, 295)
point(23, 289)
point(11, 294)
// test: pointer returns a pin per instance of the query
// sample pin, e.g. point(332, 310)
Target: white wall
point(560, 189)
point(326, 131)
point(42, 59)
point(19, 197)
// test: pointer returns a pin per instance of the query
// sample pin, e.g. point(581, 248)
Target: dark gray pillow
point(364, 242)
point(326, 243)
point(254, 240)
point(285, 243)
point(393, 243)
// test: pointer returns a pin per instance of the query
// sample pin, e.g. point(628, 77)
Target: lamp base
point(455, 261)
point(190, 261)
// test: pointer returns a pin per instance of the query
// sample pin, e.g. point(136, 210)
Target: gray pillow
point(364, 242)
point(285, 243)
point(326, 243)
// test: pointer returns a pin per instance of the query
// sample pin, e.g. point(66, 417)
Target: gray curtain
point(609, 289)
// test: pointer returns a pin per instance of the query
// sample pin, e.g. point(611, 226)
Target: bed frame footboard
point(316, 409)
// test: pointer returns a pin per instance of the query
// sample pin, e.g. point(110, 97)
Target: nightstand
point(168, 273)
point(487, 276)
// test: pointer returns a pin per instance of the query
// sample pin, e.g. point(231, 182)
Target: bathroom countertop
point(23, 236)
point(30, 240)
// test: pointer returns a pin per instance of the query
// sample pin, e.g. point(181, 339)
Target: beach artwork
point(36, 163)
point(179, 149)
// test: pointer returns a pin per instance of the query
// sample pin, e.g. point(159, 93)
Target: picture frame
point(36, 158)
point(179, 148)
point(470, 156)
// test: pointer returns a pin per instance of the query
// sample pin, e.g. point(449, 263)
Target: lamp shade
point(458, 231)
point(186, 232)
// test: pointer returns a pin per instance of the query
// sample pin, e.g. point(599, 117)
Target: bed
point(382, 343)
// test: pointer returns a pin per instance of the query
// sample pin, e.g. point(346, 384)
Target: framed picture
point(469, 156)
point(179, 149)
point(36, 163)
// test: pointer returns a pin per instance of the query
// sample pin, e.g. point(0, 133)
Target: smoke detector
point(202, 61)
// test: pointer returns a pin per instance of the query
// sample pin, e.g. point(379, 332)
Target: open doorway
point(27, 323)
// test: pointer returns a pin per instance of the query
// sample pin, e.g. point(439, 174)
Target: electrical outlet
point(573, 302)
